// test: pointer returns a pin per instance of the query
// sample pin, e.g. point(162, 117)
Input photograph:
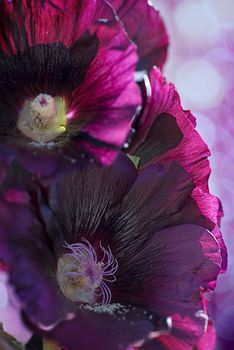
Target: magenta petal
point(146, 28)
point(109, 94)
point(77, 50)
point(206, 342)
point(188, 148)
point(223, 250)
point(167, 132)
point(101, 154)
point(43, 22)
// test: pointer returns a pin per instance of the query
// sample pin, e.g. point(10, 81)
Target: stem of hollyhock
point(50, 345)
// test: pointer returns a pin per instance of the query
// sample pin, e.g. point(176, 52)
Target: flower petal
point(166, 132)
point(206, 342)
point(103, 330)
point(178, 261)
point(146, 28)
point(182, 142)
point(160, 197)
point(25, 249)
point(77, 50)
point(81, 200)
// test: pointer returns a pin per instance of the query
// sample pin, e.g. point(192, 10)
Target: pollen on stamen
point(43, 118)
point(83, 277)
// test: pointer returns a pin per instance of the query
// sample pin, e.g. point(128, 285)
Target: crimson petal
point(146, 28)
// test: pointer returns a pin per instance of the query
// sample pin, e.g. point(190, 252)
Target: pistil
point(43, 118)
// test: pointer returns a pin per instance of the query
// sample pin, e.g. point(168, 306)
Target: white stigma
point(43, 118)
point(82, 278)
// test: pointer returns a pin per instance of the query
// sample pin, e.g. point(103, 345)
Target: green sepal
point(135, 160)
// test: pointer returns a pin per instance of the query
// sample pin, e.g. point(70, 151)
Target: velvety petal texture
point(103, 330)
point(75, 50)
point(33, 264)
point(165, 132)
point(140, 218)
point(146, 28)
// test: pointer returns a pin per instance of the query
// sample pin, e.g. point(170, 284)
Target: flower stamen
point(82, 278)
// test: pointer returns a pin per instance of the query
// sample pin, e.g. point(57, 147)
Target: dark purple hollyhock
point(67, 87)
point(109, 250)
point(146, 28)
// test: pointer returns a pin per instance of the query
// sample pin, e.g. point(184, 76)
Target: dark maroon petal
point(146, 28)
point(163, 135)
point(160, 197)
point(49, 164)
point(6, 159)
point(224, 344)
point(103, 330)
point(80, 201)
point(153, 345)
point(167, 273)
point(25, 248)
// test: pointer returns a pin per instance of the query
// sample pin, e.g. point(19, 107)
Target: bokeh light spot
point(200, 84)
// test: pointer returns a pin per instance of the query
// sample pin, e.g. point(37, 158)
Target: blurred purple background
point(201, 64)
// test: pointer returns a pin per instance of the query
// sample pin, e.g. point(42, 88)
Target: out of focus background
point(201, 64)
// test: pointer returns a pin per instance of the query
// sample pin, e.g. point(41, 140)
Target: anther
point(82, 277)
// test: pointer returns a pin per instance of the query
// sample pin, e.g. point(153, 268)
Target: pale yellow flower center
point(43, 118)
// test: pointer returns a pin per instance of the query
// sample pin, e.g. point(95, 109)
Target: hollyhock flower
point(110, 255)
point(166, 132)
point(66, 83)
point(146, 28)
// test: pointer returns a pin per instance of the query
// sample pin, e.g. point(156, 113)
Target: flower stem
point(50, 345)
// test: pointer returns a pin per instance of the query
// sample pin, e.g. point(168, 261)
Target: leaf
point(8, 342)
